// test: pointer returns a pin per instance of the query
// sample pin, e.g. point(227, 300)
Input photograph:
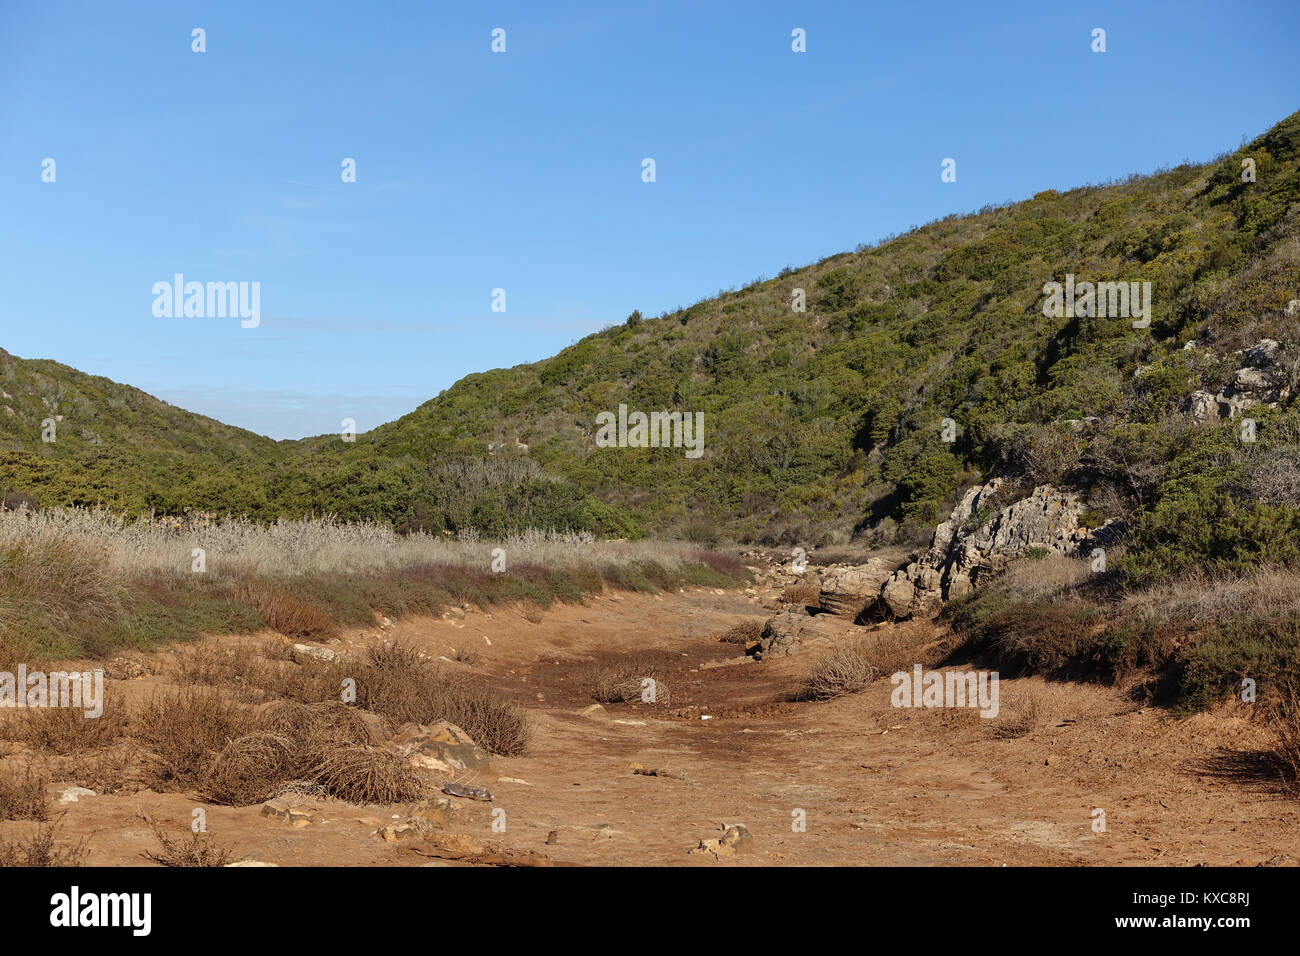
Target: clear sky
point(522, 170)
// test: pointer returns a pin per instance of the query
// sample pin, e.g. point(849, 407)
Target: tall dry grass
point(288, 548)
point(78, 582)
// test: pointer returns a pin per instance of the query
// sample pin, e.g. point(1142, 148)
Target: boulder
point(735, 839)
point(309, 652)
point(442, 749)
point(796, 629)
point(847, 590)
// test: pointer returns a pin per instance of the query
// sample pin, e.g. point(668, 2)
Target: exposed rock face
point(961, 554)
point(1264, 379)
point(847, 590)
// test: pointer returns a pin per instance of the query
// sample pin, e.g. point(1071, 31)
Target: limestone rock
point(977, 540)
point(845, 591)
point(735, 839)
point(796, 629)
point(441, 748)
point(309, 652)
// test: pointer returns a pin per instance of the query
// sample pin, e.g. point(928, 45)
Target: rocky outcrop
point(847, 590)
point(797, 629)
point(979, 539)
point(1265, 378)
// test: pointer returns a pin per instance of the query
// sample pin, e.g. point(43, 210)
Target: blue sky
point(522, 170)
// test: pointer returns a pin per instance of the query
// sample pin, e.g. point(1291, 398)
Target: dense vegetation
point(820, 424)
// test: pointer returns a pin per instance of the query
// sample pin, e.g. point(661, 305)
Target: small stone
point(303, 652)
point(73, 794)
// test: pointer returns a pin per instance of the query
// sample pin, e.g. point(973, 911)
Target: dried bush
point(621, 680)
point(744, 633)
point(196, 849)
point(845, 669)
point(853, 664)
point(185, 731)
point(364, 775)
point(40, 850)
point(250, 769)
point(1021, 718)
point(285, 613)
point(65, 730)
point(1284, 721)
point(805, 591)
point(22, 793)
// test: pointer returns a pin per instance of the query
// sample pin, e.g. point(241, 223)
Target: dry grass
point(22, 793)
point(41, 850)
point(623, 680)
point(197, 849)
point(744, 633)
point(65, 730)
point(1044, 577)
point(250, 769)
point(185, 730)
point(853, 664)
point(1022, 717)
point(288, 548)
point(364, 775)
point(805, 591)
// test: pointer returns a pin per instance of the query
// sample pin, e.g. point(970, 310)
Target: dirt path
point(875, 784)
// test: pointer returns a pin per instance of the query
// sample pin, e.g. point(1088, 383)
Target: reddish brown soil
point(877, 785)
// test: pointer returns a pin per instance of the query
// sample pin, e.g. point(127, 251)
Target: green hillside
point(820, 424)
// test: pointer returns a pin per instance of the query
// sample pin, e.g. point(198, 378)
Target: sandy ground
point(872, 784)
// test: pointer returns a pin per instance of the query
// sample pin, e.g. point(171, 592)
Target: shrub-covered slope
point(819, 424)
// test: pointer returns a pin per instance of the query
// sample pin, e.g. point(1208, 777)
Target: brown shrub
point(364, 775)
point(845, 669)
point(22, 793)
point(1022, 717)
point(65, 730)
point(1284, 721)
point(308, 727)
point(496, 723)
point(401, 686)
point(197, 849)
point(40, 850)
point(115, 770)
point(250, 769)
point(286, 614)
point(620, 680)
point(853, 664)
point(185, 731)
point(214, 665)
point(806, 591)
point(744, 633)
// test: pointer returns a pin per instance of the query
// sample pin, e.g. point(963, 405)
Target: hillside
point(819, 425)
